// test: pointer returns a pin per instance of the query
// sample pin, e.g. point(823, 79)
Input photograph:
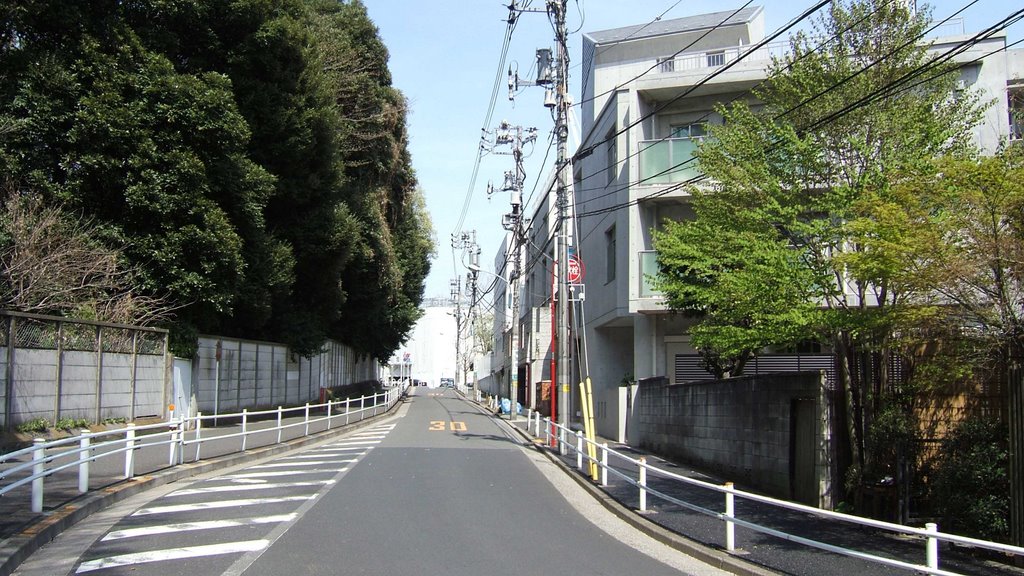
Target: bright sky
point(444, 58)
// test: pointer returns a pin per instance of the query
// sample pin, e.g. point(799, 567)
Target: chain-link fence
point(58, 369)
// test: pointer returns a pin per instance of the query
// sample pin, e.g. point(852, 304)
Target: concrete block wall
point(259, 375)
point(739, 429)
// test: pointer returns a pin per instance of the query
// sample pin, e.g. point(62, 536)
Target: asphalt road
point(438, 488)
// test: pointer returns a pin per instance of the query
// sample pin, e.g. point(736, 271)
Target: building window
point(610, 263)
point(716, 58)
point(612, 155)
point(693, 131)
point(1015, 96)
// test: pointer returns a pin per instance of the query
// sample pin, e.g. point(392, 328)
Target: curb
point(15, 549)
point(706, 554)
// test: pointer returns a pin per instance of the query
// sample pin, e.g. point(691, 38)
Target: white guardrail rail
point(555, 436)
point(49, 458)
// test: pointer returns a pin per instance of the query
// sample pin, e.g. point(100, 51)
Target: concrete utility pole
point(557, 98)
point(513, 222)
point(557, 11)
point(466, 241)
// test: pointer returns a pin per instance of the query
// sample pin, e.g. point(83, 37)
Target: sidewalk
point(22, 532)
point(756, 548)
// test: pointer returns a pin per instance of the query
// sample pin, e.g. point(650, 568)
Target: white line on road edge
point(218, 504)
point(244, 487)
point(188, 526)
point(172, 554)
point(244, 477)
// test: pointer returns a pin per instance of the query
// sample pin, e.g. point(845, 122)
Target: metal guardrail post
point(329, 403)
point(245, 426)
point(579, 450)
point(547, 430)
point(306, 433)
point(182, 426)
point(932, 548)
point(38, 467)
point(83, 462)
point(604, 464)
point(129, 453)
point(730, 512)
point(348, 402)
point(537, 433)
point(278, 424)
point(199, 434)
point(175, 430)
point(642, 481)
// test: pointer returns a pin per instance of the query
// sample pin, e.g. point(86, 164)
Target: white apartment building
point(634, 72)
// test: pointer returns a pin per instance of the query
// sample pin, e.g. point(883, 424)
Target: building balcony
point(668, 161)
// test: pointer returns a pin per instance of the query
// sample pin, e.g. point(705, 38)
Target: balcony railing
point(721, 57)
point(668, 161)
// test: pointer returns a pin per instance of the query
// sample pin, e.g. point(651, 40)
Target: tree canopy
point(248, 157)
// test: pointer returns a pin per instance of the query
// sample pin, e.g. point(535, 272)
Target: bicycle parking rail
point(555, 438)
point(44, 459)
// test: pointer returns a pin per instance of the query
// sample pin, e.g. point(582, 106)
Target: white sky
point(444, 57)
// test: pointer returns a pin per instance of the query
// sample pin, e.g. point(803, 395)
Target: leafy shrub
point(34, 425)
point(72, 424)
point(972, 480)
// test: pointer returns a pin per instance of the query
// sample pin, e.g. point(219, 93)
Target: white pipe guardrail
point(930, 533)
point(48, 458)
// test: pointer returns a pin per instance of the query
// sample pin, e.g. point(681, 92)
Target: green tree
point(810, 173)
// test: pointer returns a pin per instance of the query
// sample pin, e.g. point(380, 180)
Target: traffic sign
point(576, 270)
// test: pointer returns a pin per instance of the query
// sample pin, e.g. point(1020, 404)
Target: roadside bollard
point(83, 462)
point(329, 403)
point(279, 429)
point(129, 453)
point(642, 481)
point(547, 431)
point(730, 512)
point(38, 467)
point(347, 408)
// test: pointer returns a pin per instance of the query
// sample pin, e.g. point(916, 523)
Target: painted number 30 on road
point(441, 425)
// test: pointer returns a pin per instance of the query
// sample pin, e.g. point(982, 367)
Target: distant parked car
point(448, 382)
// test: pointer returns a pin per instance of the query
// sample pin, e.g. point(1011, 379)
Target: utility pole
point(466, 241)
point(557, 11)
point(513, 222)
point(556, 97)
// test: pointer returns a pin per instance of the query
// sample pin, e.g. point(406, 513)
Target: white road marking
point(218, 504)
point(246, 477)
point(244, 487)
point(172, 554)
point(305, 463)
point(356, 443)
point(318, 454)
point(187, 526)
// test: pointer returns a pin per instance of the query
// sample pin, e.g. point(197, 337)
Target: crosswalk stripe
point(218, 504)
point(188, 526)
point(304, 463)
point(172, 554)
point(276, 473)
point(242, 488)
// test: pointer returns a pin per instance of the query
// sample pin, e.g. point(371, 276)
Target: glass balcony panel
point(648, 268)
point(668, 161)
